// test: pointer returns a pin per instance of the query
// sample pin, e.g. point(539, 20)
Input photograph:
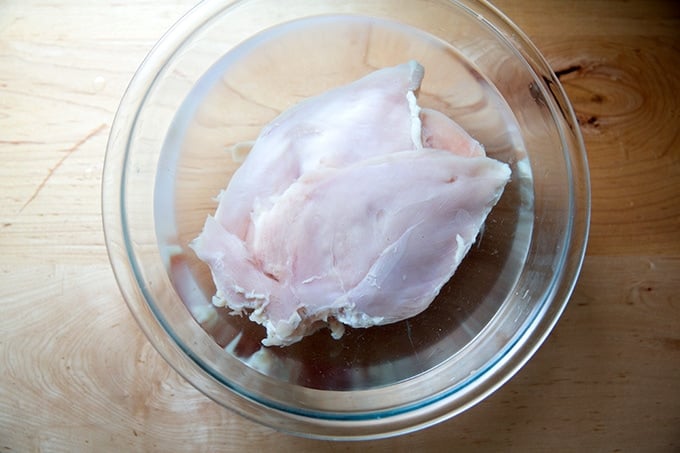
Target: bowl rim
point(408, 418)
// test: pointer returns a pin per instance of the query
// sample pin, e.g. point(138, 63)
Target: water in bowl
point(249, 87)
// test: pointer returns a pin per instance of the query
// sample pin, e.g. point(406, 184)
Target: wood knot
point(568, 70)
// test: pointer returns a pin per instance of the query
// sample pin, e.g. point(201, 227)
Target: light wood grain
point(76, 373)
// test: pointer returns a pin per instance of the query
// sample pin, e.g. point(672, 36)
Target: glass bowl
point(183, 126)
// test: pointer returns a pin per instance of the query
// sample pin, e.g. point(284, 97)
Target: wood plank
point(77, 374)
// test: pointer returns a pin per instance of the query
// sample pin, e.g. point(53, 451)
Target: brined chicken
point(353, 207)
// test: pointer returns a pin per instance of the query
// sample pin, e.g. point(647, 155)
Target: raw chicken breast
point(353, 208)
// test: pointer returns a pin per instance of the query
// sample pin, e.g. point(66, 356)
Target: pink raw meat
point(353, 207)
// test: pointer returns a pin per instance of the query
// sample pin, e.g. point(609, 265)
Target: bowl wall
point(205, 91)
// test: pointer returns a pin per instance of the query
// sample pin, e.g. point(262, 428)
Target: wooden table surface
point(76, 373)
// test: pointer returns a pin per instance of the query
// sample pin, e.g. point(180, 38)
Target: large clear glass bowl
point(228, 68)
